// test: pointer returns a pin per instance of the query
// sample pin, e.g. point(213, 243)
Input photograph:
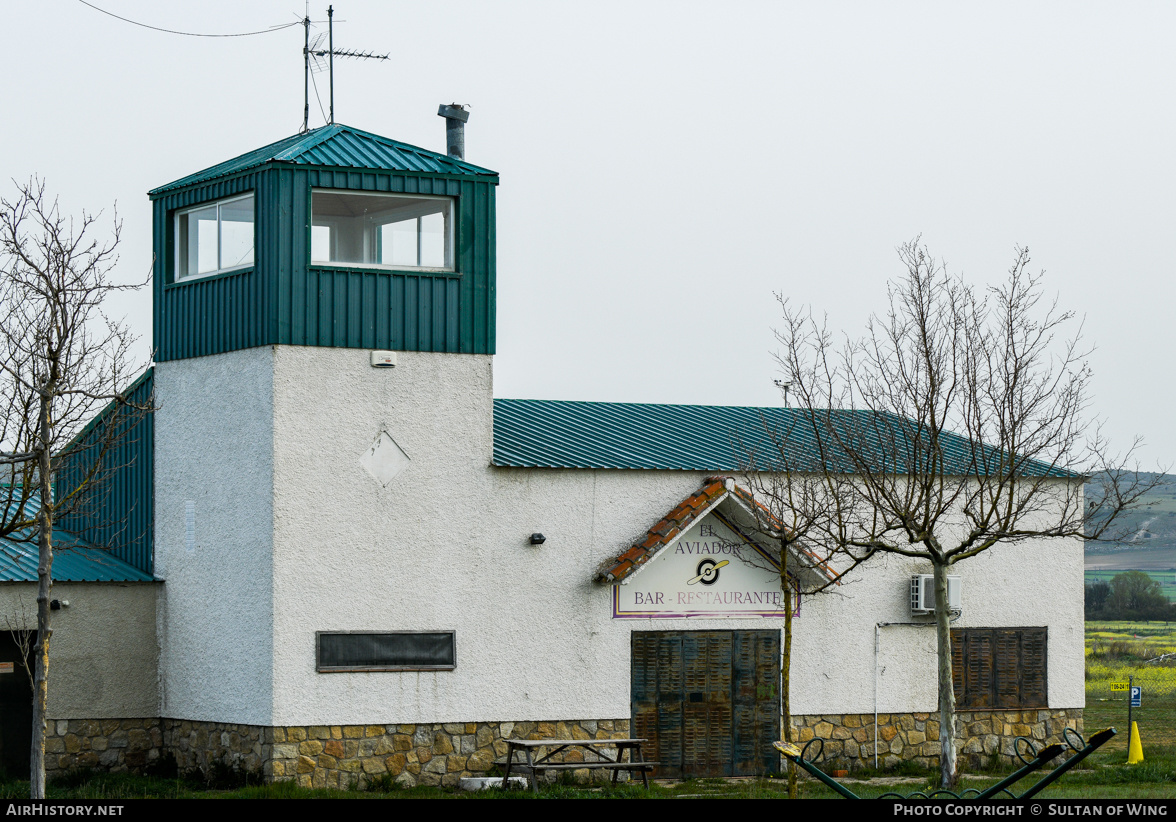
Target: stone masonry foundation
point(322, 756)
point(102, 744)
point(312, 755)
point(426, 754)
point(198, 746)
point(981, 736)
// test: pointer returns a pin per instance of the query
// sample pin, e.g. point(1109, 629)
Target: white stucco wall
point(214, 434)
point(444, 547)
point(104, 655)
point(1032, 584)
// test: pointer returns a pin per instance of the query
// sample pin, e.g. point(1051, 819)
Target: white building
point(364, 563)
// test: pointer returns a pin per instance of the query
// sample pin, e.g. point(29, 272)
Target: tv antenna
point(313, 54)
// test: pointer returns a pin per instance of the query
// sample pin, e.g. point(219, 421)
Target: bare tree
point(961, 417)
point(61, 360)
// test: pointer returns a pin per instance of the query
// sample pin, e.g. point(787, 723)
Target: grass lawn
point(1104, 775)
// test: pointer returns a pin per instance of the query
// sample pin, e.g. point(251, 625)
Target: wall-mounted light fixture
point(538, 539)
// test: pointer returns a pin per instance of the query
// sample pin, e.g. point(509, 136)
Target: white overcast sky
point(666, 168)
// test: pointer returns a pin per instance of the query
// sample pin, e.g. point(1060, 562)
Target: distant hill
point(1149, 528)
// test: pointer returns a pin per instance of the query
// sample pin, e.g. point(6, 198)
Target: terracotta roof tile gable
point(682, 516)
point(664, 531)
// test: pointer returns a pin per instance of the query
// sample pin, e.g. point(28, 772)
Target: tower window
point(387, 230)
point(214, 238)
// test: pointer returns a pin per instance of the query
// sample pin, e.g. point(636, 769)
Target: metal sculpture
point(1031, 759)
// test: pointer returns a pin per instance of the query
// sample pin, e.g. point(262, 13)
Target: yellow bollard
point(1134, 747)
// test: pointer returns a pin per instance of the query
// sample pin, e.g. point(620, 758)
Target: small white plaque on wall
point(385, 460)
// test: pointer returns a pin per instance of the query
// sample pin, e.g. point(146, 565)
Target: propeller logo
point(708, 572)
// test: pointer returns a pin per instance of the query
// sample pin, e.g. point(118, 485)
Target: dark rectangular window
point(996, 668)
point(386, 652)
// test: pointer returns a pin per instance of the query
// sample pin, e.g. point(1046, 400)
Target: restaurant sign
point(711, 571)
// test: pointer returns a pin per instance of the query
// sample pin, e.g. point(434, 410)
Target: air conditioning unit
point(923, 594)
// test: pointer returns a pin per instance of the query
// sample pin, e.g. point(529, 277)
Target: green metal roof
point(121, 515)
point(73, 559)
point(337, 146)
point(559, 434)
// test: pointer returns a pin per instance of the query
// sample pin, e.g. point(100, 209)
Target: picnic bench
point(529, 765)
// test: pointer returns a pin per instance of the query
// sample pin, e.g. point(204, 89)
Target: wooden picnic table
point(535, 768)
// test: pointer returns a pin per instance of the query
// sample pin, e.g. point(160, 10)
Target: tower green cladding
point(336, 237)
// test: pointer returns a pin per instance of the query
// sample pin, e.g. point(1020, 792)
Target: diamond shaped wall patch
point(385, 460)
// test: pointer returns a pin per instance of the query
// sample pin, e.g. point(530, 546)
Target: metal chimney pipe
point(455, 119)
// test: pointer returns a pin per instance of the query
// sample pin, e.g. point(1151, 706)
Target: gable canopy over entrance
point(712, 555)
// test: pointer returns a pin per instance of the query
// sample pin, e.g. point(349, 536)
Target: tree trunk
point(786, 668)
point(947, 740)
point(44, 590)
point(786, 679)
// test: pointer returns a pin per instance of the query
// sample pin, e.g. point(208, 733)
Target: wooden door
point(708, 701)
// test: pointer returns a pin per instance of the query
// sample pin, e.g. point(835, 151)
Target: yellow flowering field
point(1116, 651)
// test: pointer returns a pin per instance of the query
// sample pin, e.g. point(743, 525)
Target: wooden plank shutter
point(756, 708)
point(999, 667)
point(1007, 650)
point(707, 701)
point(706, 713)
point(1034, 643)
point(979, 674)
point(657, 698)
point(668, 700)
point(643, 672)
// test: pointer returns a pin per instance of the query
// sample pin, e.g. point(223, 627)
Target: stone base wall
point(103, 744)
point(198, 746)
point(316, 756)
point(980, 735)
point(322, 756)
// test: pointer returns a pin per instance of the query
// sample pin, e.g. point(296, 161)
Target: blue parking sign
point(1136, 696)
